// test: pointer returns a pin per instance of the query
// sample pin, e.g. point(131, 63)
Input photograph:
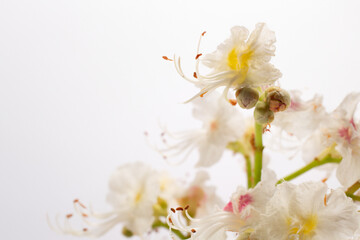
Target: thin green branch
point(258, 152)
point(353, 188)
point(315, 163)
point(354, 197)
point(350, 192)
point(159, 223)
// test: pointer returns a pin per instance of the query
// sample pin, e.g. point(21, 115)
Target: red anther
point(146, 133)
point(325, 200)
point(69, 215)
point(76, 200)
point(84, 215)
point(203, 33)
point(173, 210)
point(179, 209)
point(324, 180)
point(233, 102)
point(85, 229)
point(193, 230)
point(170, 220)
point(164, 157)
point(186, 207)
point(162, 134)
point(166, 58)
point(197, 56)
point(202, 95)
point(195, 75)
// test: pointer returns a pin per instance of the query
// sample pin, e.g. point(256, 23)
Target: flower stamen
point(166, 58)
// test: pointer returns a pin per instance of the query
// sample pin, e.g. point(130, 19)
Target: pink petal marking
point(229, 207)
point(345, 133)
point(353, 123)
point(244, 200)
point(294, 105)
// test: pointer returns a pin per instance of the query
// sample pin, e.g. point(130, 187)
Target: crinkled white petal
point(339, 218)
point(238, 62)
point(307, 212)
point(251, 203)
point(218, 59)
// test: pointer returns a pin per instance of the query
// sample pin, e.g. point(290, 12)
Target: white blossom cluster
point(306, 211)
point(320, 132)
point(139, 197)
point(268, 208)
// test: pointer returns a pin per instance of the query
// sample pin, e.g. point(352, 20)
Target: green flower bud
point(278, 99)
point(126, 232)
point(263, 114)
point(247, 97)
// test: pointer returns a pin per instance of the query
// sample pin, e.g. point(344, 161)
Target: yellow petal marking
point(233, 60)
point(307, 226)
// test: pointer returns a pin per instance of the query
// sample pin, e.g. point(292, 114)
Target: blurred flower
point(200, 197)
point(302, 117)
point(134, 190)
point(222, 123)
point(339, 130)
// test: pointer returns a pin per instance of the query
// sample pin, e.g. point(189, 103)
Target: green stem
point(315, 163)
point(354, 197)
point(350, 192)
point(258, 152)
point(353, 188)
point(249, 171)
point(159, 223)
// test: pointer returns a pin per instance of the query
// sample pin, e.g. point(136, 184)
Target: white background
point(80, 81)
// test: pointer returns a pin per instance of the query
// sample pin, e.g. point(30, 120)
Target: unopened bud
point(247, 97)
point(263, 114)
point(126, 232)
point(278, 99)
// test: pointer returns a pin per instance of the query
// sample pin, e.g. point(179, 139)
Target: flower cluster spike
point(270, 207)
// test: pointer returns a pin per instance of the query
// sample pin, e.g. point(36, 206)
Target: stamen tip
point(166, 58)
